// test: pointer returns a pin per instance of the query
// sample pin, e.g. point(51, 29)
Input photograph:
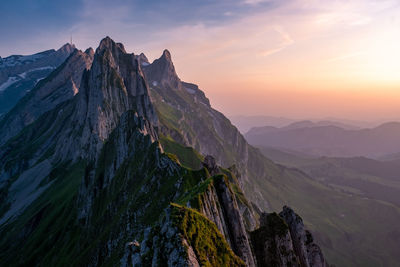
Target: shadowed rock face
point(272, 242)
point(308, 252)
point(211, 165)
point(162, 71)
point(61, 85)
point(19, 74)
point(282, 240)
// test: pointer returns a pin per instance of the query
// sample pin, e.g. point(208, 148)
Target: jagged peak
point(108, 43)
point(166, 54)
point(89, 51)
point(162, 71)
point(143, 59)
point(87, 56)
point(67, 48)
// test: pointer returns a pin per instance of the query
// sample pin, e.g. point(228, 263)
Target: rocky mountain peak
point(166, 55)
point(108, 43)
point(90, 52)
point(67, 48)
point(162, 71)
point(113, 86)
point(143, 60)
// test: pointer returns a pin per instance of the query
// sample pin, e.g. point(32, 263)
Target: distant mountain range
point(362, 176)
point(330, 139)
point(245, 123)
point(19, 74)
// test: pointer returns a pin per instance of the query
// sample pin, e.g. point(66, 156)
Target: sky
point(292, 58)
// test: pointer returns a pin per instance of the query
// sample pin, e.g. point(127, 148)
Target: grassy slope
point(345, 223)
point(187, 156)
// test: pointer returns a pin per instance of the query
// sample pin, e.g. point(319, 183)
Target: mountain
point(245, 123)
point(19, 74)
point(91, 179)
point(330, 140)
point(59, 86)
point(391, 157)
point(310, 124)
point(138, 168)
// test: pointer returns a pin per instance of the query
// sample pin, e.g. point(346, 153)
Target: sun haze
point(296, 58)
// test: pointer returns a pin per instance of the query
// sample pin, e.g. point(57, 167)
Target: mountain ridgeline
point(330, 139)
point(112, 160)
point(18, 74)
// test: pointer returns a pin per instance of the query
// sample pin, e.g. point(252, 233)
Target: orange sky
point(304, 59)
point(295, 58)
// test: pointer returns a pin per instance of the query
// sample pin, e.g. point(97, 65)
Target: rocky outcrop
point(237, 232)
point(162, 72)
point(220, 205)
point(210, 164)
point(282, 240)
point(308, 252)
point(183, 238)
point(272, 242)
point(212, 209)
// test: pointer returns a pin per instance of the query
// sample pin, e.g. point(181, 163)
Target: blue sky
point(29, 26)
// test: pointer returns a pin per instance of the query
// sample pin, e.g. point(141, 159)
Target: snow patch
point(8, 83)
point(38, 80)
point(23, 75)
point(190, 90)
point(16, 60)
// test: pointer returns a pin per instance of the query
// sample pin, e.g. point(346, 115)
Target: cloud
point(255, 2)
point(345, 57)
point(286, 41)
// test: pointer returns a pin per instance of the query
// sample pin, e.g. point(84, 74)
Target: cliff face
point(88, 181)
point(303, 242)
point(277, 240)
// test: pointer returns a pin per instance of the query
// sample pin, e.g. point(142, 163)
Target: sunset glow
point(318, 53)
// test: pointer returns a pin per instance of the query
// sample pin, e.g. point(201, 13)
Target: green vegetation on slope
point(187, 156)
point(47, 221)
point(208, 244)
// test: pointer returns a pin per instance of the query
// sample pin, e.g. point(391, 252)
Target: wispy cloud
point(286, 41)
point(255, 2)
point(345, 57)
